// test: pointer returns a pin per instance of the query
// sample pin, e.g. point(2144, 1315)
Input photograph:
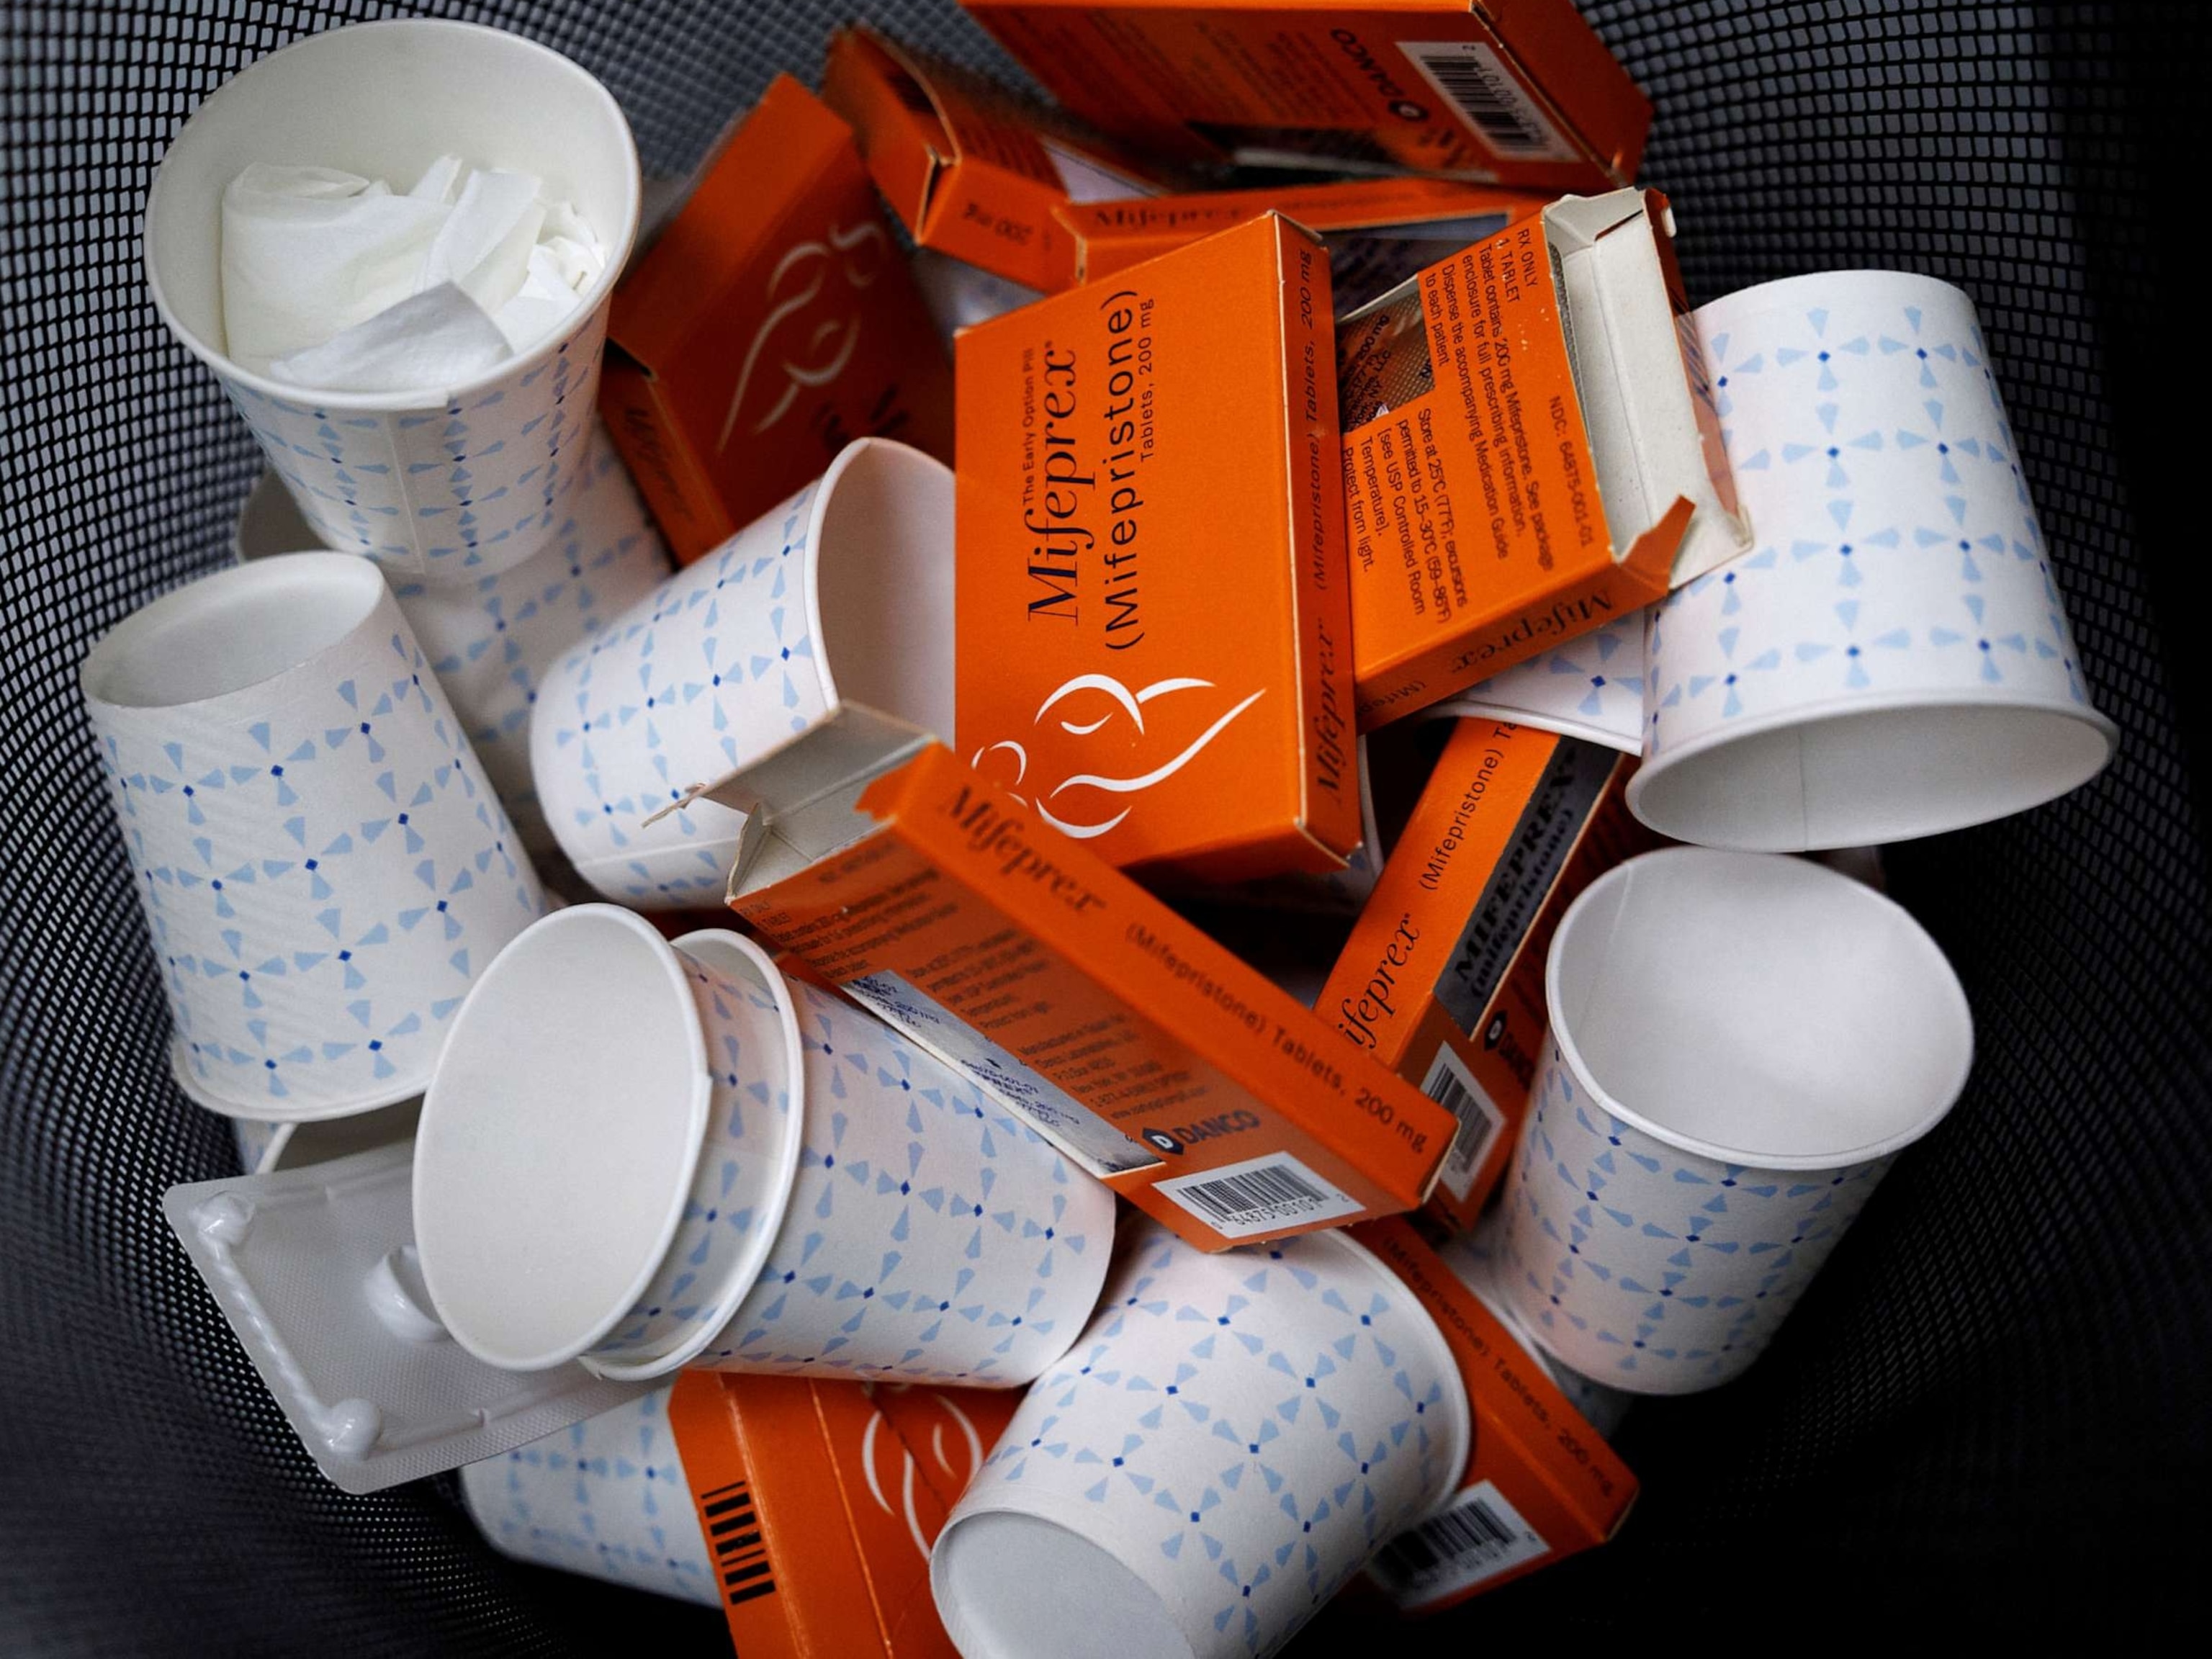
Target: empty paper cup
point(324, 867)
point(1228, 1442)
point(615, 1163)
point(440, 482)
point(1473, 1258)
point(843, 595)
point(1892, 657)
point(1591, 688)
point(1740, 1045)
point(492, 639)
point(607, 1498)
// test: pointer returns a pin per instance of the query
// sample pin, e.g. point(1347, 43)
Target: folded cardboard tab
point(972, 171)
point(1154, 640)
point(1378, 231)
point(1540, 1485)
point(772, 321)
point(1150, 1055)
point(1530, 450)
point(1523, 94)
point(819, 1502)
point(1443, 977)
point(315, 1270)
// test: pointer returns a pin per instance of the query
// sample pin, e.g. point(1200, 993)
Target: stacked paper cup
point(651, 1155)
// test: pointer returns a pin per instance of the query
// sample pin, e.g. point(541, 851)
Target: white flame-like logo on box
point(860, 252)
point(908, 1469)
point(1125, 702)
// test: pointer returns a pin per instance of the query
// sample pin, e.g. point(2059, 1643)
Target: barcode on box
point(1469, 76)
point(1453, 1087)
point(1259, 1195)
point(739, 1542)
point(1479, 1537)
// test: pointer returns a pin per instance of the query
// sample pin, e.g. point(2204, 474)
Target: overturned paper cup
point(1590, 688)
point(833, 607)
point(1740, 1046)
point(607, 1498)
point(445, 482)
point(607, 1150)
point(1891, 658)
point(322, 865)
point(1228, 1442)
point(491, 640)
point(650, 1155)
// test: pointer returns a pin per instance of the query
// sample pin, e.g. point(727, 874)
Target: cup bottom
point(1010, 1585)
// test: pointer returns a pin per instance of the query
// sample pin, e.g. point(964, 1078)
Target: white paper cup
point(492, 639)
point(607, 1498)
point(607, 1149)
point(1891, 658)
point(931, 1237)
point(1473, 1258)
point(447, 483)
point(322, 865)
point(843, 594)
point(1591, 688)
point(1740, 1046)
point(1228, 1442)
point(610, 1166)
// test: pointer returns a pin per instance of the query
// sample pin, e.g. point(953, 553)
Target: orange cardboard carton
point(819, 1502)
point(1149, 1054)
point(1540, 1485)
point(1377, 231)
point(1531, 449)
point(1520, 93)
point(1154, 643)
point(773, 321)
point(1443, 977)
point(972, 171)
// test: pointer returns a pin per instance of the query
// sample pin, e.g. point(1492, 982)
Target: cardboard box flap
point(1634, 382)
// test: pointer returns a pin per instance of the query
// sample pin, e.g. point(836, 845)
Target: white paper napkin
point(333, 280)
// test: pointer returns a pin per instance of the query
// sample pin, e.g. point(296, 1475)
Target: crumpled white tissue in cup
point(333, 281)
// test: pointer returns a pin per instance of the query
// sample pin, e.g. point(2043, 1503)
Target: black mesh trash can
point(1992, 1412)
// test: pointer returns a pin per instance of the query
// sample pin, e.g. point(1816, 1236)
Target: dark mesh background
point(1990, 1413)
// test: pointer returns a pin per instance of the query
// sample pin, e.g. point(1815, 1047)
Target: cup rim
point(1842, 708)
point(664, 957)
point(405, 1087)
point(731, 954)
point(589, 302)
point(1468, 706)
point(200, 591)
point(861, 450)
point(1851, 892)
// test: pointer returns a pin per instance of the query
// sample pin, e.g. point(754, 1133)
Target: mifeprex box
point(1531, 450)
point(1154, 642)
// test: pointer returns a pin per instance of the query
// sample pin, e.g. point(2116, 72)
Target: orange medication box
point(1530, 450)
point(773, 321)
point(819, 1502)
point(972, 171)
point(1442, 978)
point(1154, 639)
point(1524, 93)
point(1149, 1054)
point(1540, 1485)
point(1377, 231)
